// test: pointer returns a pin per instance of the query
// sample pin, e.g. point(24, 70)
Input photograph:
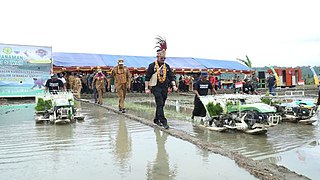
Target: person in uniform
point(121, 76)
point(77, 86)
point(200, 88)
point(158, 77)
point(99, 83)
point(71, 81)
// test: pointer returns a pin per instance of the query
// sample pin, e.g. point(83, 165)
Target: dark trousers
point(160, 94)
point(199, 109)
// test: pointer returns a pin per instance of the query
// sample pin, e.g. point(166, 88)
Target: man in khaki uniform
point(121, 75)
point(99, 82)
point(71, 81)
point(77, 86)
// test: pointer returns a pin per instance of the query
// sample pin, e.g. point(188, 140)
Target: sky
point(269, 32)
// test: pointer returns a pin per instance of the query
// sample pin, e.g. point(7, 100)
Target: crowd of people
point(158, 80)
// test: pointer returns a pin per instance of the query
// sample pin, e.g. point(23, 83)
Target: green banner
point(24, 69)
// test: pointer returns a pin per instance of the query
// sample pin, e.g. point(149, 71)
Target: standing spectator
point(84, 82)
point(255, 80)
point(60, 76)
point(187, 82)
point(92, 87)
point(139, 83)
point(212, 80)
point(271, 83)
point(71, 80)
point(181, 83)
point(191, 83)
point(143, 82)
point(318, 101)
point(216, 83)
point(77, 86)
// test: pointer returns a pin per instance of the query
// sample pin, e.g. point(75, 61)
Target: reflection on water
point(123, 143)
point(104, 146)
point(159, 168)
point(285, 144)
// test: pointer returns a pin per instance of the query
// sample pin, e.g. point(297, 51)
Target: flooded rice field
point(106, 146)
point(295, 146)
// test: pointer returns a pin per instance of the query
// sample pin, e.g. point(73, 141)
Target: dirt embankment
point(259, 169)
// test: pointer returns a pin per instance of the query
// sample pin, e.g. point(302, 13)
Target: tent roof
point(85, 60)
point(184, 62)
point(129, 61)
point(77, 59)
point(222, 64)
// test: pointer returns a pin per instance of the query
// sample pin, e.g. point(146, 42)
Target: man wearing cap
point(158, 77)
point(121, 75)
point(54, 84)
point(99, 83)
point(200, 88)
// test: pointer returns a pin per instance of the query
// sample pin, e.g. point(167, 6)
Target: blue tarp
point(222, 64)
point(184, 62)
point(129, 61)
point(81, 60)
point(77, 59)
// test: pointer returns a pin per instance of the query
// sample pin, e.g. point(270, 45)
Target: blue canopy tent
point(83, 61)
point(77, 60)
point(219, 66)
point(129, 61)
point(184, 63)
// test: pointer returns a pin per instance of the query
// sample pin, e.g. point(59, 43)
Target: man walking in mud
point(99, 83)
point(121, 75)
point(200, 88)
point(158, 77)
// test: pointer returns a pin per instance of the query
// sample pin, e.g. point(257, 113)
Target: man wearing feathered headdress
point(158, 77)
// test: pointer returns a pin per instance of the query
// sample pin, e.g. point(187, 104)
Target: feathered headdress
point(161, 45)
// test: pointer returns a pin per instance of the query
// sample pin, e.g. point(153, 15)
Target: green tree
point(247, 62)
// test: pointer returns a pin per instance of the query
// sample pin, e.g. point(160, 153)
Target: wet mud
point(258, 168)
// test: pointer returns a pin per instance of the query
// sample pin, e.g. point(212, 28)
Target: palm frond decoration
point(247, 62)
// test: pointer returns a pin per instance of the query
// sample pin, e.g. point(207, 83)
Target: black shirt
point(202, 87)
point(151, 70)
point(54, 85)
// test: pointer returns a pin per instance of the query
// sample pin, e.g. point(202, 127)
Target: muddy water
point(104, 146)
point(295, 146)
